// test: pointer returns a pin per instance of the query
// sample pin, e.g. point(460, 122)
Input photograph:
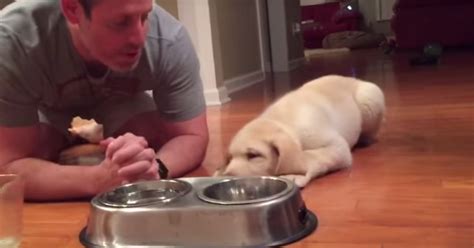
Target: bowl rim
point(187, 188)
point(289, 187)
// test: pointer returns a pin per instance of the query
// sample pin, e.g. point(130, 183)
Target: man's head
point(109, 32)
point(87, 5)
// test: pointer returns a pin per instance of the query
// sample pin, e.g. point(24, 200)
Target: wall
point(313, 2)
point(169, 5)
point(295, 40)
point(385, 9)
point(369, 9)
point(227, 37)
point(236, 26)
point(286, 46)
point(238, 37)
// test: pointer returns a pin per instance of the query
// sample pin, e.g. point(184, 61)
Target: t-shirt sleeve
point(180, 95)
point(18, 107)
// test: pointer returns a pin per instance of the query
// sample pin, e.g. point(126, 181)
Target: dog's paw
point(299, 180)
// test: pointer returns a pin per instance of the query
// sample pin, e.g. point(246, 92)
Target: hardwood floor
point(415, 186)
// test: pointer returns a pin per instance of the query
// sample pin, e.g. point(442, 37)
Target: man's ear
point(72, 10)
point(289, 154)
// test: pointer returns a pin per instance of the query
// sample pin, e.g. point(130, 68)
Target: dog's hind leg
point(323, 160)
point(371, 102)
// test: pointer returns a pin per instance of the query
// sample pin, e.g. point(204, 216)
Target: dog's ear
point(288, 154)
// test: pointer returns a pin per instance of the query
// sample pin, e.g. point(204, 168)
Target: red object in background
point(448, 22)
point(323, 19)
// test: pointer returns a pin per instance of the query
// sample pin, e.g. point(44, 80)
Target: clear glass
point(11, 210)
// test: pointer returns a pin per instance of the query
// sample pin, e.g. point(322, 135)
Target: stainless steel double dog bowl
point(199, 212)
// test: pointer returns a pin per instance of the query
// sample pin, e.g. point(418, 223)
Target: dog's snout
point(232, 170)
point(230, 173)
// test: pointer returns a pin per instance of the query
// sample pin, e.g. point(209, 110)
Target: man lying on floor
point(96, 59)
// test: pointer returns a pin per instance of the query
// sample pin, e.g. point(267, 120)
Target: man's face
point(116, 31)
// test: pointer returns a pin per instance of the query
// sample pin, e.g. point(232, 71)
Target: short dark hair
point(87, 6)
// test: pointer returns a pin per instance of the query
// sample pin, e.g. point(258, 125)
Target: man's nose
point(137, 34)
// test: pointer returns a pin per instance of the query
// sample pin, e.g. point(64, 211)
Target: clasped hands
point(127, 159)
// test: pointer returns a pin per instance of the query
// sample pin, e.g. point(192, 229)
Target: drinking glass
point(11, 210)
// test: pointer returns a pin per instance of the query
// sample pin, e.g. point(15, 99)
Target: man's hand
point(107, 176)
point(130, 157)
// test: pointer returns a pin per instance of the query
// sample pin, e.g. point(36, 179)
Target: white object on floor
point(309, 52)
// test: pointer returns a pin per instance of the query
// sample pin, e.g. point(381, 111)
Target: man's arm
point(186, 145)
point(19, 148)
point(44, 180)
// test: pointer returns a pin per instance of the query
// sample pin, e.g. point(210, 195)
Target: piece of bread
point(89, 130)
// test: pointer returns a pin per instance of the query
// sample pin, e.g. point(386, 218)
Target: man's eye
point(120, 24)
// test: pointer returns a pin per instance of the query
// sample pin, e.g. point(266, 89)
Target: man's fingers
point(106, 142)
point(139, 139)
point(125, 154)
point(132, 154)
point(124, 141)
point(142, 141)
point(114, 146)
point(151, 173)
point(135, 170)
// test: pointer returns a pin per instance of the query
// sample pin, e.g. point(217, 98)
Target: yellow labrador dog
point(308, 132)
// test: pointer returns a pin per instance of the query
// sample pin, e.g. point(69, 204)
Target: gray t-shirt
point(41, 70)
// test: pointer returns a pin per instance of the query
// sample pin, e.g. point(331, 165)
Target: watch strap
point(162, 169)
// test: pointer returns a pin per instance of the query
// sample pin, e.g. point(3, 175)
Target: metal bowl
point(245, 190)
point(213, 212)
point(144, 193)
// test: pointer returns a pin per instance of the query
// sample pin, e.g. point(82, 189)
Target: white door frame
point(264, 39)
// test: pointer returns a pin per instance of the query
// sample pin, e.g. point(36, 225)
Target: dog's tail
point(371, 102)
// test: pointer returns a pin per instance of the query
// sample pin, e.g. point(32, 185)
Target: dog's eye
point(253, 155)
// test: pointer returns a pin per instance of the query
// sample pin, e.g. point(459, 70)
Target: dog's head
point(261, 148)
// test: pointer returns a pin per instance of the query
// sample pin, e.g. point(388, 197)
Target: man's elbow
point(6, 164)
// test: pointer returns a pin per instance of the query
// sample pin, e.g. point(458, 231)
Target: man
point(95, 59)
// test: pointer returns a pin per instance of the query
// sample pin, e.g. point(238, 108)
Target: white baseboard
point(244, 81)
point(216, 96)
point(296, 63)
point(220, 96)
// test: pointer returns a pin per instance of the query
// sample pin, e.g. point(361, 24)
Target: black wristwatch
point(162, 170)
